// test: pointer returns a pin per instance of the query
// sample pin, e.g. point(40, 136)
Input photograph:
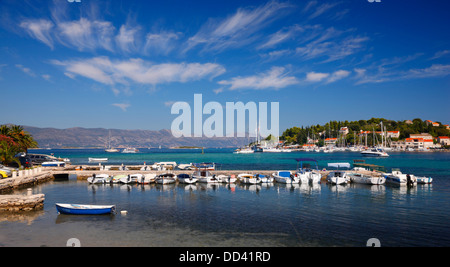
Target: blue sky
point(122, 64)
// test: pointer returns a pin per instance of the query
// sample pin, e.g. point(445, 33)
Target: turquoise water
point(219, 215)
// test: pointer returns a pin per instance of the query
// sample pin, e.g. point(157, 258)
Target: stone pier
point(26, 202)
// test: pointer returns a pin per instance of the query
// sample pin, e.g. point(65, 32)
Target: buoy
point(123, 212)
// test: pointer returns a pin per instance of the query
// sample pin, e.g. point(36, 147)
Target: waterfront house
point(419, 143)
point(393, 134)
point(426, 136)
point(330, 141)
point(444, 140)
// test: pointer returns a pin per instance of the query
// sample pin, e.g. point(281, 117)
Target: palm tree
point(14, 139)
point(23, 139)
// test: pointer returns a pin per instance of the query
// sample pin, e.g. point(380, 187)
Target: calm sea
point(252, 216)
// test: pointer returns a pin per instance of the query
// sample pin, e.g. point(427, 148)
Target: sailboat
point(110, 149)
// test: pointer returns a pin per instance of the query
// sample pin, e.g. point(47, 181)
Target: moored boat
point(80, 209)
point(229, 179)
point(205, 176)
point(247, 178)
point(359, 178)
point(424, 180)
point(166, 178)
point(186, 178)
point(396, 177)
point(146, 178)
point(338, 176)
point(285, 177)
point(99, 179)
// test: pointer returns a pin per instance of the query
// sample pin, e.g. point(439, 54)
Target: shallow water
point(274, 215)
point(219, 215)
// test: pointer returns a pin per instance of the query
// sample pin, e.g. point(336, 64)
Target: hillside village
point(412, 135)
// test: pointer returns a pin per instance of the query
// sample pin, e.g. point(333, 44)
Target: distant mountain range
point(98, 137)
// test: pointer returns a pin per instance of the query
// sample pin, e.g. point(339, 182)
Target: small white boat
point(186, 178)
point(307, 174)
point(285, 177)
point(130, 150)
point(246, 150)
point(247, 178)
point(98, 159)
point(99, 179)
point(204, 176)
point(359, 178)
point(185, 166)
point(164, 165)
point(266, 179)
point(147, 178)
point(374, 152)
point(338, 176)
point(229, 179)
point(116, 178)
point(166, 178)
point(53, 164)
point(424, 180)
point(131, 179)
point(396, 177)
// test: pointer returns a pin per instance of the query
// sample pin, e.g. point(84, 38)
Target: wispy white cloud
point(275, 78)
point(282, 36)
point(316, 76)
point(440, 54)
point(127, 39)
point(327, 77)
point(85, 34)
point(122, 106)
point(161, 43)
point(39, 29)
point(236, 30)
point(26, 70)
point(110, 72)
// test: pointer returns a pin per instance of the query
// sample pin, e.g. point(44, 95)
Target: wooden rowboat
point(76, 209)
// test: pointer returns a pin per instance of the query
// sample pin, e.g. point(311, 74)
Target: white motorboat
point(424, 180)
point(245, 150)
point(169, 165)
point(204, 176)
point(185, 166)
point(186, 178)
point(131, 179)
point(116, 178)
point(265, 179)
point(247, 178)
point(99, 179)
point(359, 178)
point(302, 176)
point(130, 150)
point(338, 176)
point(229, 179)
point(374, 152)
point(396, 177)
point(166, 178)
point(147, 178)
point(285, 177)
point(307, 174)
point(98, 159)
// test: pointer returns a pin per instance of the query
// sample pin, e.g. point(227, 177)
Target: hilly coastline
point(98, 138)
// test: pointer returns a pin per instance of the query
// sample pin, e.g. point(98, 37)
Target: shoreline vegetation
point(351, 132)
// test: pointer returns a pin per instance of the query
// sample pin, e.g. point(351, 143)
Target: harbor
point(230, 214)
